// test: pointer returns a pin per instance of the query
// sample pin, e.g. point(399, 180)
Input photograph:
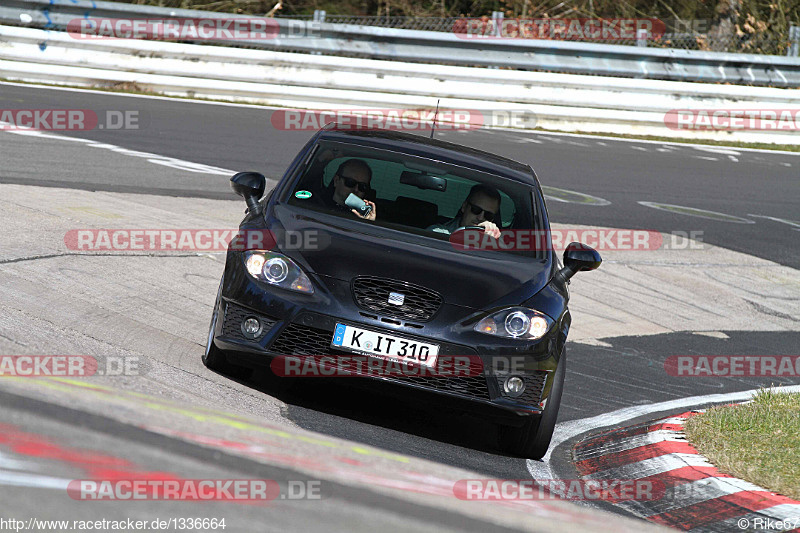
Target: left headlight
point(516, 323)
point(277, 269)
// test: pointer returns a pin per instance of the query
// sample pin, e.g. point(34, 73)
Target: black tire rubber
point(214, 358)
point(533, 439)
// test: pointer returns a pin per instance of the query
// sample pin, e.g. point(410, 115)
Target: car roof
point(432, 149)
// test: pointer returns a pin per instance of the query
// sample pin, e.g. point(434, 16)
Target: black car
point(389, 275)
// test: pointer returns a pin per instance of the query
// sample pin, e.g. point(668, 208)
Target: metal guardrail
point(508, 98)
point(447, 48)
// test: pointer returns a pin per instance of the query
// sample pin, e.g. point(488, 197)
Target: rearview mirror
point(579, 258)
point(423, 181)
point(250, 186)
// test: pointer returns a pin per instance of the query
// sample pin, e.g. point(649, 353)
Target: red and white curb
point(697, 496)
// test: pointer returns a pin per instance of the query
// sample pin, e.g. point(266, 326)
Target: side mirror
point(250, 186)
point(579, 258)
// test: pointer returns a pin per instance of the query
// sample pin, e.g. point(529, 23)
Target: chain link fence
point(702, 35)
point(740, 35)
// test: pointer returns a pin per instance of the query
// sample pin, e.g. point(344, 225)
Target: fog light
point(251, 328)
point(514, 386)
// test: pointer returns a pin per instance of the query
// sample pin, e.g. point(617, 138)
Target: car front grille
point(297, 339)
point(534, 386)
point(235, 315)
point(372, 294)
point(473, 386)
point(304, 340)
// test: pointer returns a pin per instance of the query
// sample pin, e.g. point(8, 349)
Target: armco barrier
point(559, 101)
point(449, 49)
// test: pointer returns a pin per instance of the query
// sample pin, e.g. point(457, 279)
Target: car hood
point(349, 248)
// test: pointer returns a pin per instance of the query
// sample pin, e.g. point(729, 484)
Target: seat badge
point(395, 298)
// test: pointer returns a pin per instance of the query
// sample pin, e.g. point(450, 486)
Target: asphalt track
point(623, 371)
point(729, 181)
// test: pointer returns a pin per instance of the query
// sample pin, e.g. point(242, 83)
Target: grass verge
point(758, 442)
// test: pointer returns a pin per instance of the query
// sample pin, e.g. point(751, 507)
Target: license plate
point(386, 346)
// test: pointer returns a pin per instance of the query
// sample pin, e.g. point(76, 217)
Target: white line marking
point(696, 212)
point(687, 494)
point(652, 466)
point(629, 443)
point(718, 150)
point(572, 197)
point(16, 479)
point(673, 420)
point(709, 488)
point(157, 159)
point(10, 463)
point(795, 225)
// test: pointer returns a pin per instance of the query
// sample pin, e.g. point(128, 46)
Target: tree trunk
point(723, 26)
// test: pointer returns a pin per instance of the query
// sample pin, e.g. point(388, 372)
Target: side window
point(507, 210)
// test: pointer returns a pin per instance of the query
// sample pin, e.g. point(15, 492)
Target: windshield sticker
point(302, 195)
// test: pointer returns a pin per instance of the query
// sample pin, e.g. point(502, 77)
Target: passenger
point(479, 209)
point(352, 176)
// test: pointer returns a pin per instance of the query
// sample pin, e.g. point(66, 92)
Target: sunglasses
point(476, 210)
point(350, 183)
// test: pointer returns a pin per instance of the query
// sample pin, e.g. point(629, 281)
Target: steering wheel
point(480, 228)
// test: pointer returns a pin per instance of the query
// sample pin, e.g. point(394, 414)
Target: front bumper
point(303, 325)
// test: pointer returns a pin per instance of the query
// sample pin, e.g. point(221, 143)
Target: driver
point(479, 209)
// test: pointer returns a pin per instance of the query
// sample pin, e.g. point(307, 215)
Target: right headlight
point(515, 323)
point(277, 269)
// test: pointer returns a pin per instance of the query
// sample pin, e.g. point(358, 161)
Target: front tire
point(533, 439)
point(214, 358)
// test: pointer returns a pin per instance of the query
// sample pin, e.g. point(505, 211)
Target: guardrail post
point(641, 37)
point(497, 20)
point(319, 15)
point(794, 40)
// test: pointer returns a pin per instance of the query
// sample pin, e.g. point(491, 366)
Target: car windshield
point(413, 194)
